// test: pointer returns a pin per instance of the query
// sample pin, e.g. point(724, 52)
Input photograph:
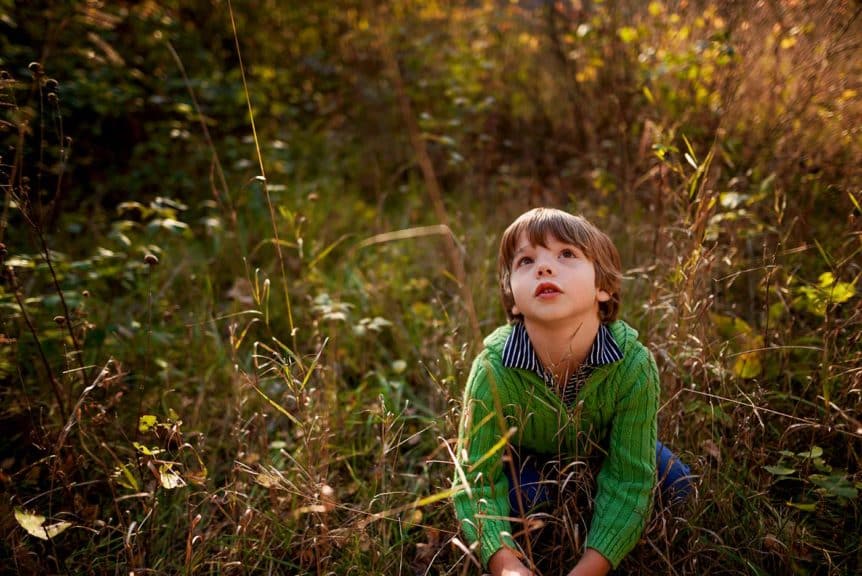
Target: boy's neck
point(563, 348)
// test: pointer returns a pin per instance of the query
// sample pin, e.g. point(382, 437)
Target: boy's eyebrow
point(522, 248)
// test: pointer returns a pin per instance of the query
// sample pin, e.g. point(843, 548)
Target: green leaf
point(729, 327)
point(804, 506)
point(125, 207)
point(779, 470)
point(815, 452)
point(835, 485)
point(828, 290)
point(122, 472)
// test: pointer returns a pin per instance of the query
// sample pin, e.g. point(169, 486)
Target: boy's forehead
point(525, 240)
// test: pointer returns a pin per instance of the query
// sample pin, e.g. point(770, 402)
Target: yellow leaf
point(34, 525)
point(628, 34)
point(169, 478)
point(788, 42)
point(804, 506)
point(146, 422)
point(144, 450)
point(747, 366)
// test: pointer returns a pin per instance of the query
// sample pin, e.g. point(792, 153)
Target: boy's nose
point(544, 270)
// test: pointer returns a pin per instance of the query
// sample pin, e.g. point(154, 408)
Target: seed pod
point(151, 259)
point(327, 497)
point(35, 67)
point(51, 84)
point(60, 320)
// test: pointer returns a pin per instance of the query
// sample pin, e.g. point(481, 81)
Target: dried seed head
point(51, 84)
point(291, 402)
point(35, 67)
point(327, 497)
point(151, 259)
point(4, 75)
point(85, 293)
point(52, 98)
point(60, 320)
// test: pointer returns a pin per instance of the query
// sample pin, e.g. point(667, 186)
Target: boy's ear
point(515, 310)
point(602, 295)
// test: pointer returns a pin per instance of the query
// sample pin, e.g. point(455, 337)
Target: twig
point(770, 411)
point(431, 182)
point(58, 395)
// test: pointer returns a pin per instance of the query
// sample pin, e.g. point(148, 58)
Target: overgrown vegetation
point(234, 349)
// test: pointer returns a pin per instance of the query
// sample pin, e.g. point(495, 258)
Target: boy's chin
point(556, 320)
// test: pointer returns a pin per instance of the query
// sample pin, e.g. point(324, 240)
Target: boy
point(565, 377)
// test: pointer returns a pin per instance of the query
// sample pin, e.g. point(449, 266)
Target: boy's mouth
point(546, 289)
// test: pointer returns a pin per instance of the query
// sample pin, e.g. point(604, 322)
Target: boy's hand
point(591, 564)
point(504, 562)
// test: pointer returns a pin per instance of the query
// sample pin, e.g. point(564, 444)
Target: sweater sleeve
point(482, 509)
point(628, 474)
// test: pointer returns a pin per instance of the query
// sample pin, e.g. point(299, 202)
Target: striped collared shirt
point(518, 352)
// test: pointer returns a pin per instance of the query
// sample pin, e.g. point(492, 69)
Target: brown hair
point(537, 224)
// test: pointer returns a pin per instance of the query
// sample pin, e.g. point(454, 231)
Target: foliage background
point(218, 358)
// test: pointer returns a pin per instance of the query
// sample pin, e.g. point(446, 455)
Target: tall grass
point(182, 416)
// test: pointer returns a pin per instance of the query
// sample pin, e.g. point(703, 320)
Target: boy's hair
point(537, 224)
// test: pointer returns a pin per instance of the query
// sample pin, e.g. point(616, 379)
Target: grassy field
point(236, 347)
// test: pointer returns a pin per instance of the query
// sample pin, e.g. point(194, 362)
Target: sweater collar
point(518, 352)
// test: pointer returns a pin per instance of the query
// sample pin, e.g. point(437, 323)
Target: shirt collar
point(518, 352)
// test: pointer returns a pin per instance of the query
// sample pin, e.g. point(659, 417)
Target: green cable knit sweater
point(615, 410)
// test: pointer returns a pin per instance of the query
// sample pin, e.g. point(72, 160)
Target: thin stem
point(77, 348)
point(226, 203)
point(58, 394)
point(264, 180)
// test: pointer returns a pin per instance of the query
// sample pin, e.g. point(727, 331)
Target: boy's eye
point(568, 253)
point(524, 260)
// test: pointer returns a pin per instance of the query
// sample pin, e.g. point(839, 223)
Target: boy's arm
point(627, 478)
point(482, 510)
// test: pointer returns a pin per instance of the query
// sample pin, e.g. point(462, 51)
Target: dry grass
point(293, 409)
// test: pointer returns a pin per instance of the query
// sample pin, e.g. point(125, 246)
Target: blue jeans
point(674, 480)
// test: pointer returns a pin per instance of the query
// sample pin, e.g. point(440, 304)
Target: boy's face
point(554, 284)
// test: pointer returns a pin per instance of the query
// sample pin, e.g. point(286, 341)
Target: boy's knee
point(674, 476)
